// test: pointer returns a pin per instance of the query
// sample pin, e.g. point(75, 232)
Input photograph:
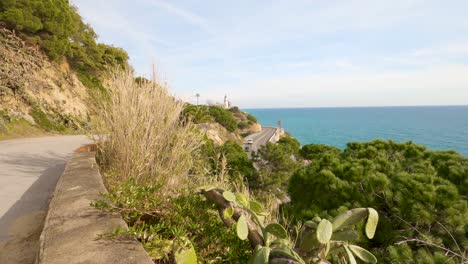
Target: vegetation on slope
point(152, 162)
point(59, 30)
point(232, 119)
point(276, 163)
point(37, 94)
point(16, 127)
point(154, 159)
point(141, 134)
point(238, 163)
point(420, 194)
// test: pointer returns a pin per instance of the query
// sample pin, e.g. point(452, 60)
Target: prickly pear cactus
point(318, 237)
point(184, 253)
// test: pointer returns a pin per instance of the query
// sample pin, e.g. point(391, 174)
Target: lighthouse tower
point(227, 104)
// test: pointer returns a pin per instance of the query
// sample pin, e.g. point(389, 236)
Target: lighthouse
point(227, 104)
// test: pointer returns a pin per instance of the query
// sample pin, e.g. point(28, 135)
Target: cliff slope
point(46, 94)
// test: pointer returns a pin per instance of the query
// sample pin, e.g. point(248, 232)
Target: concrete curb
point(72, 228)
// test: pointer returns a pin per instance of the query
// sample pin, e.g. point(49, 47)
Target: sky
point(294, 53)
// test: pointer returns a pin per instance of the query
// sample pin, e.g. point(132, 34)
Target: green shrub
point(317, 241)
point(276, 166)
point(90, 81)
point(238, 161)
point(223, 117)
point(140, 80)
point(243, 124)
point(43, 121)
point(313, 151)
point(290, 144)
point(245, 134)
point(235, 109)
point(197, 114)
point(59, 30)
point(4, 120)
point(411, 187)
point(15, 128)
point(157, 220)
point(252, 118)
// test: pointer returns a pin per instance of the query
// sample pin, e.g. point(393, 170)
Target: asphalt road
point(29, 170)
point(259, 138)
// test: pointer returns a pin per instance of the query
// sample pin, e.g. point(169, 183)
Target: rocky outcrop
point(247, 124)
point(217, 133)
point(254, 128)
point(30, 82)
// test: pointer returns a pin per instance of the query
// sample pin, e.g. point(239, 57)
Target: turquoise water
point(437, 127)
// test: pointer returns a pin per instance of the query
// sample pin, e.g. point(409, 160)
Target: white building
point(227, 103)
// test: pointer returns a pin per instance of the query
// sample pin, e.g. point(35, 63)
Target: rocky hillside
point(32, 88)
point(220, 124)
point(217, 133)
point(246, 123)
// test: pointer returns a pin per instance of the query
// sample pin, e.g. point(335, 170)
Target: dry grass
point(140, 134)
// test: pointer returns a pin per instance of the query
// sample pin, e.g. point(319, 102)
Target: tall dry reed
point(140, 134)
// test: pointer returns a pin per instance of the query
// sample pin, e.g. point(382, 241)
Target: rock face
point(254, 128)
point(29, 80)
point(217, 133)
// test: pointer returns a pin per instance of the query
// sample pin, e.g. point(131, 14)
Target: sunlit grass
point(141, 133)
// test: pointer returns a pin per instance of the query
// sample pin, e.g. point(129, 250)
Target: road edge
point(73, 229)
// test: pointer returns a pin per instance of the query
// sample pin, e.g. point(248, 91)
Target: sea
point(436, 127)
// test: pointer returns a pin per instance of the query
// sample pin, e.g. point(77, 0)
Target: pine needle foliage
point(420, 194)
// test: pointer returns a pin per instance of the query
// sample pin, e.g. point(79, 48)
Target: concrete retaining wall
point(73, 228)
point(276, 136)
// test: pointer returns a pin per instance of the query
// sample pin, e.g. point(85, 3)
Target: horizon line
point(364, 106)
